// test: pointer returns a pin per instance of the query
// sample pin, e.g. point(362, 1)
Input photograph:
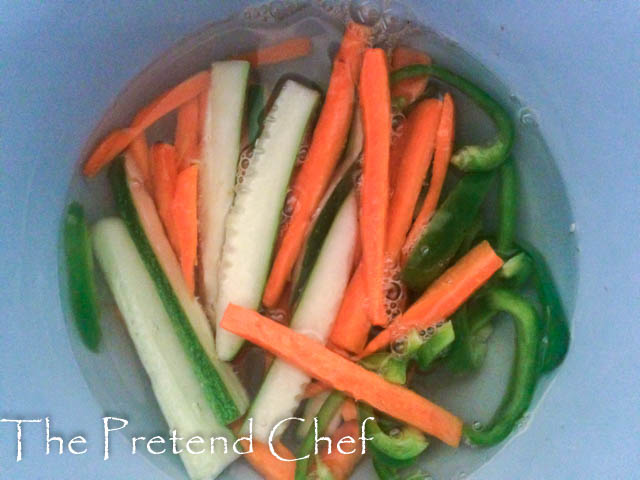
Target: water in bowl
point(115, 375)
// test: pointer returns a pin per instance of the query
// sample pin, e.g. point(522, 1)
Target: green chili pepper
point(472, 158)
point(508, 208)
point(397, 450)
point(435, 346)
point(525, 369)
point(446, 231)
point(556, 328)
point(255, 100)
point(82, 288)
point(325, 415)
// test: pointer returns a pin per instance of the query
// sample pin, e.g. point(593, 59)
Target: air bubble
point(395, 18)
point(399, 346)
point(477, 426)
point(367, 12)
point(395, 432)
point(527, 116)
point(424, 250)
point(572, 228)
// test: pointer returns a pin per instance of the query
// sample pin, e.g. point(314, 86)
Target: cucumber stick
point(174, 383)
point(223, 390)
point(217, 173)
point(253, 221)
point(319, 303)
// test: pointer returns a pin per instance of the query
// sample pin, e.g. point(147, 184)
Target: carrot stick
point(185, 221)
point(290, 49)
point(407, 91)
point(314, 388)
point(375, 104)
point(444, 145)
point(187, 132)
point(139, 150)
point(267, 464)
point(117, 141)
point(164, 173)
point(319, 362)
point(349, 411)
point(203, 101)
point(444, 296)
point(326, 147)
point(342, 465)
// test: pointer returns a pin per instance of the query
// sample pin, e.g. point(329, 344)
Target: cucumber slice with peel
point(217, 171)
point(176, 386)
point(224, 392)
point(284, 384)
point(252, 223)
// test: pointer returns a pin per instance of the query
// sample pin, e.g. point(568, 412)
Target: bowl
point(560, 66)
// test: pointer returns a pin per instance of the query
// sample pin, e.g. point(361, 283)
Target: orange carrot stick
point(314, 388)
point(164, 173)
point(267, 464)
point(139, 150)
point(341, 374)
point(349, 411)
point(187, 132)
point(290, 49)
point(328, 140)
point(444, 145)
point(119, 140)
point(343, 465)
point(444, 296)
point(184, 214)
point(410, 89)
point(375, 103)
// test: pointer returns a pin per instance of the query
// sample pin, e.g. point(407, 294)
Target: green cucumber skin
point(80, 276)
point(175, 385)
point(321, 228)
point(255, 100)
point(215, 390)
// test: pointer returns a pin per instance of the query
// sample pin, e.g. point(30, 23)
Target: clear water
point(115, 375)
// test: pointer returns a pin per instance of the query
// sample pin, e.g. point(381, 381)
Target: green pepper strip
point(525, 370)
point(472, 327)
point(557, 335)
point(82, 288)
point(255, 100)
point(435, 346)
point(507, 206)
point(472, 158)
point(396, 451)
point(446, 231)
point(324, 417)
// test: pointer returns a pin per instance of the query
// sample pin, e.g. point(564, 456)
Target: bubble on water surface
point(527, 116)
point(367, 12)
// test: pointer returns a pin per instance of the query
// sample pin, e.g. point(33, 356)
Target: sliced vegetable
point(444, 296)
point(117, 141)
point(329, 137)
point(311, 408)
point(397, 450)
point(255, 100)
point(164, 173)
point(139, 150)
point(289, 49)
point(321, 363)
point(442, 155)
point(222, 389)
point(82, 287)
point(252, 223)
point(326, 413)
point(188, 132)
point(181, 395)
point(375, 104)
point(445, 232)
point(471, 158)
point(184, 212)
point(436, 345)
point(473, 327)
point(525, 370)
point(342, 465)
point(267, 464)
point(217, 175)
point(508, 208)
point(407, 91)
point(284, 384)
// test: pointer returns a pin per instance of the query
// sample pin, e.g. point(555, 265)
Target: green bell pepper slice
point(472, 158)
point(80, 276)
